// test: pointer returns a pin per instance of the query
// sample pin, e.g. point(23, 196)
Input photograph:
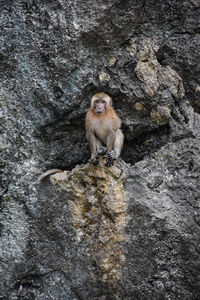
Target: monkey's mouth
point(99, 112)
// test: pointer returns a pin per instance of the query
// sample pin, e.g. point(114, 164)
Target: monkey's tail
point(49, 172)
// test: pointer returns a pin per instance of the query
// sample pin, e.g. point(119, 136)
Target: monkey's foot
point(109, 163)
point(110, 157)
point(102, 151)
point(95, 160)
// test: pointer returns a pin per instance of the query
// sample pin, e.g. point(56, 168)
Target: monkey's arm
point(110, 140)
point(93, 146)
point(92, 142)
point(110, 155)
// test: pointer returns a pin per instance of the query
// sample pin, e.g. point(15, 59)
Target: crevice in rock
point(145, 144)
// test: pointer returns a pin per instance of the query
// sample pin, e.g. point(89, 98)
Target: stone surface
point(54, 55)
point(98, 205)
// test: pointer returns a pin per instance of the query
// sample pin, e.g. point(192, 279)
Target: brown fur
point(104, 128)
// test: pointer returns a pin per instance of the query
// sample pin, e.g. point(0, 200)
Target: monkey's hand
point(95, 160)
point(110, 157)
point(102, 151)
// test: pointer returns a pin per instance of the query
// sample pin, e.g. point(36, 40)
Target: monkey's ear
point(111, 103)
point(92, 101)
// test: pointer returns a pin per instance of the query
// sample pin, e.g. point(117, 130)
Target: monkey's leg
point(114, 154)
point(93, 147)
point(110, 155)
point(98, 145)
point(118, 144)
point(95, 156)
point(102, 151)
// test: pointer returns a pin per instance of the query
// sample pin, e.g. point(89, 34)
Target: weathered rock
point(97, 234)
point(99, 214)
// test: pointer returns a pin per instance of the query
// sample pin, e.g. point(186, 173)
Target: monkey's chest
point(101, 130)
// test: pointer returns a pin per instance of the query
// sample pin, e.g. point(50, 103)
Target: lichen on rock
point(99, 214)
point(104, 77)
point(155, 77)
point(161, 115)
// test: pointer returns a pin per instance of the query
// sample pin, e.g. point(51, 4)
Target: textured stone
point(161, 115)
point(99, 214)
point(146, 244)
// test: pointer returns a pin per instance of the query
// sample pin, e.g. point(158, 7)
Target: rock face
point(98, 206)
point(131, 231)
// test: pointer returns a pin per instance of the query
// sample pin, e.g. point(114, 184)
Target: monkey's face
point(100, 106)
point(99, 103)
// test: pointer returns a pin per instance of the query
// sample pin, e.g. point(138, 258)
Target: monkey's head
point(100, 102)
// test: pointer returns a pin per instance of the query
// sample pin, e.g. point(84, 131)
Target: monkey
point(103, 132)
point(49, 172)
point(103, 129)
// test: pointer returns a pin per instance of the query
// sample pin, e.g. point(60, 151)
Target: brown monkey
point(103, 129)
point(49, 172)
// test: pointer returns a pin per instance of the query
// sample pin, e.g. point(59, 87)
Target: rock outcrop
point(126, 232)
point(98, 206)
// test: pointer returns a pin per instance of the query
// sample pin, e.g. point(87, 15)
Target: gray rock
point(54, 55)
